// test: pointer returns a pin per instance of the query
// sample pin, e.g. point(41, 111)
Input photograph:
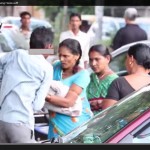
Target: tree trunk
point(99, 17)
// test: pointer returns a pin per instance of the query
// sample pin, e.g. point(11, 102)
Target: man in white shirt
point(24, 83)
point(75, 33)
point(25, 25)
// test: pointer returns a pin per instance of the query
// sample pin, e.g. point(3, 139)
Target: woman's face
point(67, 59)
point(98, 63)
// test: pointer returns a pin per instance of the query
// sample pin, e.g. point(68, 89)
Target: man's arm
point(43, 90)
point(3, 58)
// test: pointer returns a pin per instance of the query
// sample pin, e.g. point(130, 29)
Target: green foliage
point(82, 9)
point(51, 11)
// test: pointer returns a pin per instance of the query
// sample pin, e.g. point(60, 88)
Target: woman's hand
point(48, 98)
point(95, 104)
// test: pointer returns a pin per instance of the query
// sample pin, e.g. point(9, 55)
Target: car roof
point(127, 46)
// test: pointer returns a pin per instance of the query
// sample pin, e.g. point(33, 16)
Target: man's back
point(23, 86)
point(131, 32)
point(128, 34)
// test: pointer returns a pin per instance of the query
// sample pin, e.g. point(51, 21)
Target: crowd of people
point(25, 79)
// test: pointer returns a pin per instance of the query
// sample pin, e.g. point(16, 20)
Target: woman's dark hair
point(141, 53)
point(74, 47)
point(101, 49)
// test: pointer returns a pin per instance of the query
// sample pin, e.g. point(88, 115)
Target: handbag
point(59, 89)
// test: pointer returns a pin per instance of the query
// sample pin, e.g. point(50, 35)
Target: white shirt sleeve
point(87, 47)
point(61, 37)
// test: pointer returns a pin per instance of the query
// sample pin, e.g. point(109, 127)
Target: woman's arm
point(68, 100)
point(107, 103)
point(113, 95)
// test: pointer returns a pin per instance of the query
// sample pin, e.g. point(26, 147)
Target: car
point(113, 115)
point(109, 28)
point(10, 38)
point(34, 22)
point(118, 58)
point(91, 26)
point(128, 121)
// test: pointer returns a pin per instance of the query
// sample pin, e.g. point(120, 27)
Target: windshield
point(107, 123)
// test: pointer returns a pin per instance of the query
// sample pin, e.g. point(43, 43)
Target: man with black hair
point(25, 24)
point(24, 83)
point(74, 32)
point(131, 32)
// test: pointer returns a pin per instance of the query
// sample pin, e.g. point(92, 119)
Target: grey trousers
point(15, 133)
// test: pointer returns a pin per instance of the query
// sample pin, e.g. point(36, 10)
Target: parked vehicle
point(34, 22)
point(10, 38)
point(109, 27)
point(128, 121)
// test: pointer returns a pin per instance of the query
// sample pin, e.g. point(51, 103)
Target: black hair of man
point(40, 37)
point(75, 15)
point(24, 13)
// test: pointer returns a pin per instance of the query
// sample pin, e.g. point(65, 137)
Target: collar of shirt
point(20, 29)
point(78, 34)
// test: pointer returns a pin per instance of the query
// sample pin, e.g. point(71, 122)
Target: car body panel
point(110, 123)
point(129, 128)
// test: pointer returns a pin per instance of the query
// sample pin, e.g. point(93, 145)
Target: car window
point(118, 63)
point(109, 26)
point(107, 123)
point(38, 23)
point(145, 26)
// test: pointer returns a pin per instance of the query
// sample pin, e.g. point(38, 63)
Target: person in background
point(68, 71)
point(75, 33)
point(102, 76)
point(131, 32)
point(25, 25)
point(24, 83)
point(138, 67)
